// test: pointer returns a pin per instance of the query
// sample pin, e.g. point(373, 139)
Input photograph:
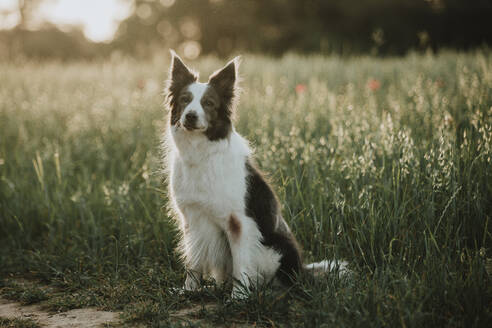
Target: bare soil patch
point(87, 317)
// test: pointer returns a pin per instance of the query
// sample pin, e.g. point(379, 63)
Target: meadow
point(385, 163)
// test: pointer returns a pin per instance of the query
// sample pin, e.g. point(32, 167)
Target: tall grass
point(383, 162)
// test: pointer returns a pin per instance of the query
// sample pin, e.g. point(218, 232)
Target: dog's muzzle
point(190, 121)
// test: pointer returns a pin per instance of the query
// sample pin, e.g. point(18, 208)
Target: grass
point(27, 293)
point(385, 163)
point(17, 323)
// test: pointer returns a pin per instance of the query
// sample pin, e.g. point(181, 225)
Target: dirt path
point(84, 317)
point(78, 318)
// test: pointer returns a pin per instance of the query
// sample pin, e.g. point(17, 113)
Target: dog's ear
point(225, 79)
point(179, 73)
point(179, 77)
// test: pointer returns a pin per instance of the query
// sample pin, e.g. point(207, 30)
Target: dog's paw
point(239, 293)
point(177, 291)
point(183, 290)
point(192, 282)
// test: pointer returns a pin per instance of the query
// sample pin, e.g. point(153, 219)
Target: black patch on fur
point(179, 78)
point(218, 116)
point(222, 87)
point(262, 205)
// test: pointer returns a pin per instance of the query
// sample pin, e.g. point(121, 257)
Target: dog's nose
point(190, 120)
point(191, 117)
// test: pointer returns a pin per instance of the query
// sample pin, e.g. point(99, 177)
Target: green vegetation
point(17, 323)
point(384, 163)
point(26, 293)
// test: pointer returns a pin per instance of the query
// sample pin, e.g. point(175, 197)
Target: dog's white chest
point(216, 187)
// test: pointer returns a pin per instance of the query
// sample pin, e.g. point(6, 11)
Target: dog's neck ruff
point(194, 148)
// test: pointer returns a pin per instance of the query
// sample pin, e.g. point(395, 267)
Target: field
point(385, 163)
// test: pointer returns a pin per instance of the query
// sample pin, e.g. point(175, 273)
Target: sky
point(98, 18)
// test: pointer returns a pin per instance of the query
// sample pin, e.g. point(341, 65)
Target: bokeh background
point(69, 29)
point(371, 118)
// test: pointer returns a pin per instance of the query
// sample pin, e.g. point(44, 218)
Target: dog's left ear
point(225, 79)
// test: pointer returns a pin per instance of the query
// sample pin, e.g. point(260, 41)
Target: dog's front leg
point(193, 263)
point(244, 240)
point(193, 279)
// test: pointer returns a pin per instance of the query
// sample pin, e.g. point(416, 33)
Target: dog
point(228, 214)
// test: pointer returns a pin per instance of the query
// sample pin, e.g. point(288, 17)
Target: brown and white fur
point(229, 216)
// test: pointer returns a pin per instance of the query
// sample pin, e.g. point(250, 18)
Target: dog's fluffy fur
point(228, 214)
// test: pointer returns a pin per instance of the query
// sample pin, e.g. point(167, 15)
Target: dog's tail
point(336, 266)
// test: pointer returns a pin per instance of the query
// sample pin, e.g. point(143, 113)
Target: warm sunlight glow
point(9, 17)
point(98, 18)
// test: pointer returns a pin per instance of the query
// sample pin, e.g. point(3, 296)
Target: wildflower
point(300, 88)
point(141, 84)
point(374, 84)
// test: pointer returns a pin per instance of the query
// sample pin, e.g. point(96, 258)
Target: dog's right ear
point(180, 74)
point(179, 77)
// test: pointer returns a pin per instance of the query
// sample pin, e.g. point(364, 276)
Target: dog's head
point(202, 107)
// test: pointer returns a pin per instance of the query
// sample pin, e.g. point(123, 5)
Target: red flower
point(374, 84)
point(141, 84)
point(300, 88)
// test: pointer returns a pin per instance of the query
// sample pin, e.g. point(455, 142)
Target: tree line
point(221, 27)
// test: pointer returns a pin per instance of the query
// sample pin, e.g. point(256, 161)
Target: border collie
point(228, 215)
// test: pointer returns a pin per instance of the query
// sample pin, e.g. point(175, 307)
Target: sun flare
point(98, 19)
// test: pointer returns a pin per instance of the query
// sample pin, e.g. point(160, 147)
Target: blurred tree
point(27, 9)
point(220, 27)
point(33, 38)
point(48, 42)
point(277, 26)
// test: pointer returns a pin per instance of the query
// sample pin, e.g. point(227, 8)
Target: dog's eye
point(208, 103)
point(184, 99)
